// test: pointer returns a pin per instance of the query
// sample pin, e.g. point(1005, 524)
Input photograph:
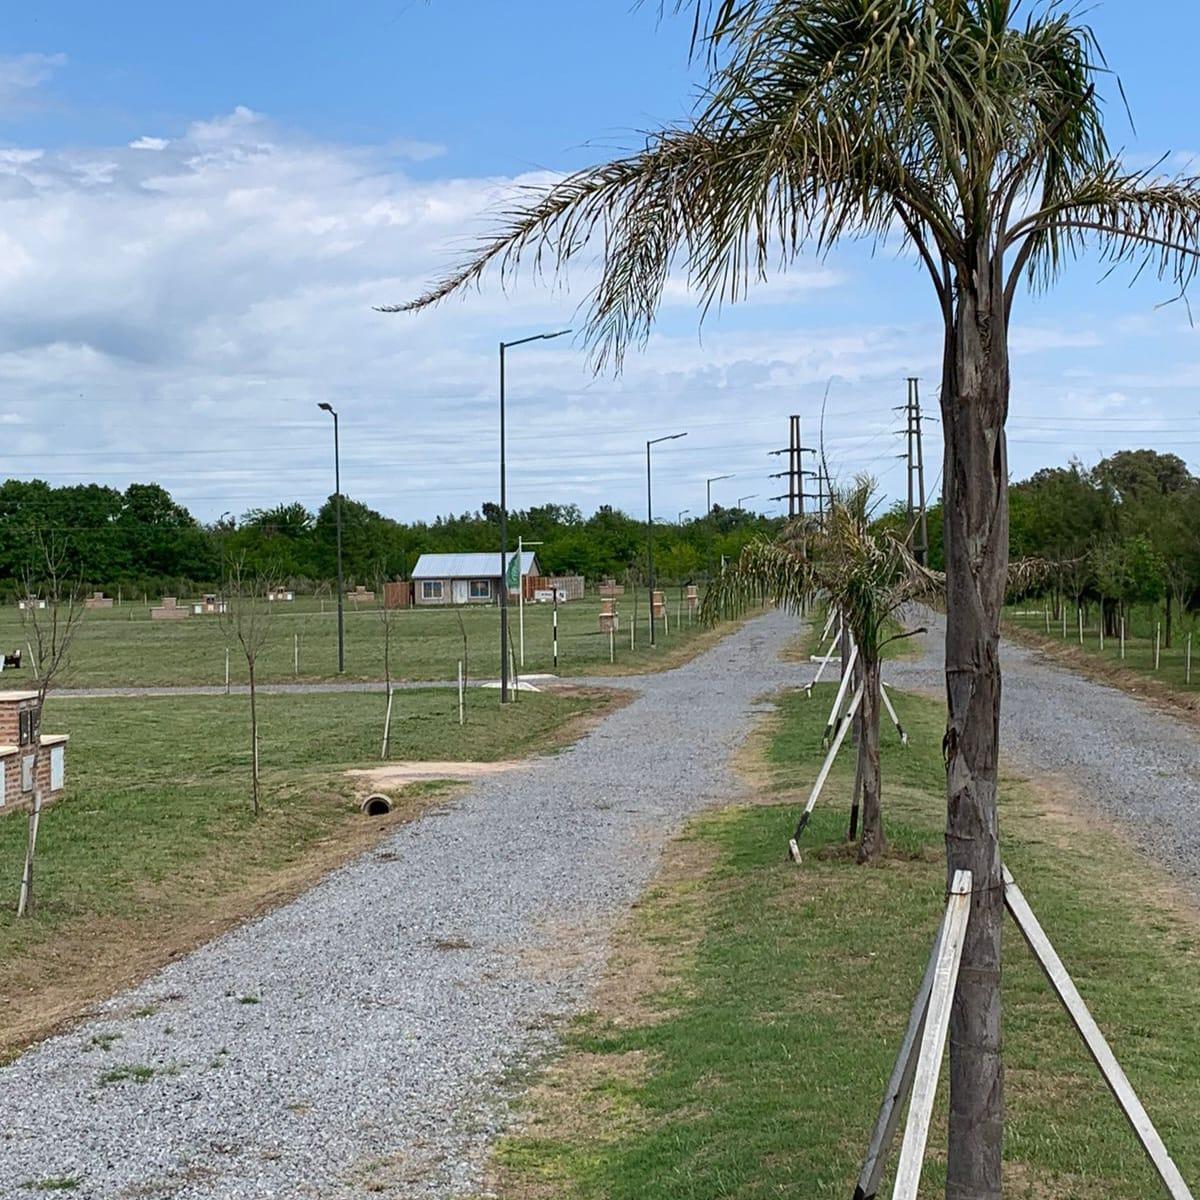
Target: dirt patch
point(46, 991)
point(400, 774)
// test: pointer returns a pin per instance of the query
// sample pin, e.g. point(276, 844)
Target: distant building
point(441, 579)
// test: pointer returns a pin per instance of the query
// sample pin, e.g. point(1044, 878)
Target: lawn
point(154, 847)
point(123, 647)
point(1136, 668)
point(742, 1040)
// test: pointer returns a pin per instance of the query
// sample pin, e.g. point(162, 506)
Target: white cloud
point(177, 315)
point(21, 74)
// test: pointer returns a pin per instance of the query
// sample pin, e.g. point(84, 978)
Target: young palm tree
point(867, 577)
point(971, 130)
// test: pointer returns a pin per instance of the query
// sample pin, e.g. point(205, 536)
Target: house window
point(431, 589)
point(481, 589)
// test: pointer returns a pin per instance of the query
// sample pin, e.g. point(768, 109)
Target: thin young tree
point(246, 616)
point(973, 132)
point(867, 576)
point(50, 632)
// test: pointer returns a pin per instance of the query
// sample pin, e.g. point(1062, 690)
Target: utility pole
point(918, 521)
point(795, 474)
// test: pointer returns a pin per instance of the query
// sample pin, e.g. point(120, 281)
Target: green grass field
point(123, 647)
point(155, 847)
point(1139, 658)
point(742, 1042)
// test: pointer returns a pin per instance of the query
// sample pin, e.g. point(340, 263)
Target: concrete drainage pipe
point(376, 805)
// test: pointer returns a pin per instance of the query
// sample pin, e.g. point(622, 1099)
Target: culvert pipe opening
point(377, 805)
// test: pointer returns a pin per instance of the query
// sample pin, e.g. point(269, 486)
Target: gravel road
point(358, 1041)
point(1133, 762)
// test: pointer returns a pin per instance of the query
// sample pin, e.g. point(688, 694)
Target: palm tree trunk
point(873, 842)
point(975, 392)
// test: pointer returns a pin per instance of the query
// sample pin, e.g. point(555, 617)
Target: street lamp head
point(670, 437)
point(325, 406)
point(535, 337)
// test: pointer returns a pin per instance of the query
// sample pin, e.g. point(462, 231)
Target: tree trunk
point(975, 392)
point(253, 738)
point(873, 842)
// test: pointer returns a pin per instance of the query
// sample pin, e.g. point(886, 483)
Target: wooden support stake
point(1081, 625)
point(835, 711)
point(227, 671)
point(1098, 1047)
point(899, 1086)
point(837, 637)
point(1157, 644)
point(25, 901)
point(612, 645)
point(1122, 639)
point(887, 703)
point(933, 1039)
point(826, 767)
point(1187, 674)
point(387, 726)
point(296, 652)
point(1047, 618)
point(462, 707)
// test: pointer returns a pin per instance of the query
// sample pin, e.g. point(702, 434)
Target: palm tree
point(972, 132)
point(867, 576)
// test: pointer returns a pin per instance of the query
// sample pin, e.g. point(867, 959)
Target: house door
point(460, 591)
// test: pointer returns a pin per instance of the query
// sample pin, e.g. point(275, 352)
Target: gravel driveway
point(358, 1041)
point(1133, 762)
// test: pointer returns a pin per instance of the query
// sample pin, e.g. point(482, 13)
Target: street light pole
point(752, 496)
point(708, 490)
point(683, 512)
point(337, 501)
point(670, 437)
point(537, 337)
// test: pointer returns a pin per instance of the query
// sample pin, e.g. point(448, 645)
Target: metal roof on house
point(469, 566)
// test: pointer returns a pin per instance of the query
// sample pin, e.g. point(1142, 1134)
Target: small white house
point(444, 579)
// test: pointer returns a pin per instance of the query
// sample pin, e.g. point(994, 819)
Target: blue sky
point(199, 208)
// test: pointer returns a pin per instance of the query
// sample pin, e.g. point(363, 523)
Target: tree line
point(141, 540)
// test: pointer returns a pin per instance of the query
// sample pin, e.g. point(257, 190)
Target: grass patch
point(123, 647)
point(748, 1054)
point(154, 847)
point(54, 1183)
point(128, 1073)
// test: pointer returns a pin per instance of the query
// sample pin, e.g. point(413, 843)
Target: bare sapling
point(387, 620)
point(49, 632)
point(246, 617)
